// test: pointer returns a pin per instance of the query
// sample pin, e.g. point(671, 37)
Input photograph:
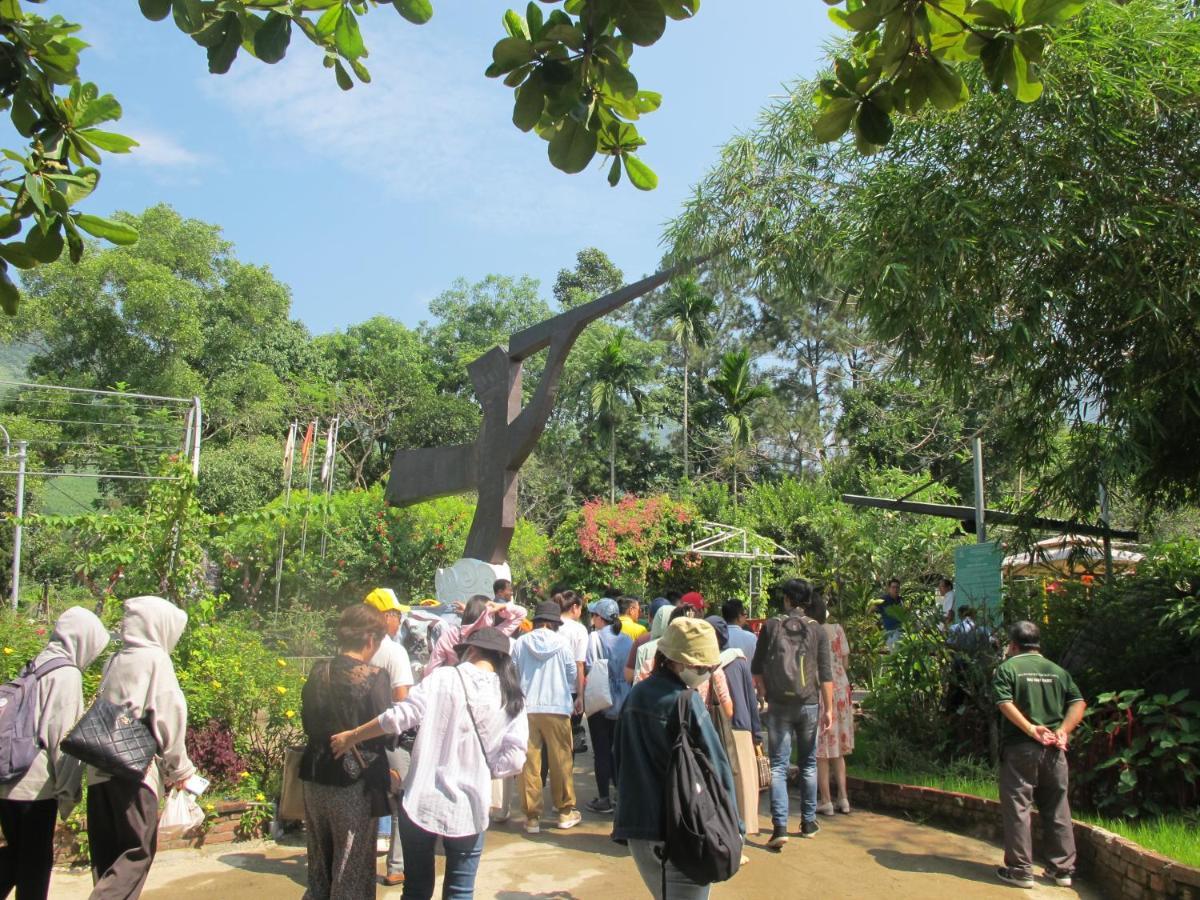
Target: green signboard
point(977, 578)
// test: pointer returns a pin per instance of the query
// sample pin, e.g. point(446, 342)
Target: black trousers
point(602, 729)
point(26, 861)
point(122, 821)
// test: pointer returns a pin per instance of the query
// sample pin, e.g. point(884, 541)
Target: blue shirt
point(742, 639)
point(546, 667)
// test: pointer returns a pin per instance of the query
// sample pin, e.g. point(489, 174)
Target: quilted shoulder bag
point(110, 738)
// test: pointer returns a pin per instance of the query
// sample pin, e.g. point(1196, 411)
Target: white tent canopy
point(1071, 554)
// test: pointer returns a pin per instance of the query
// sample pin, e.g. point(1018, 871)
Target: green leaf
point(342, 77)
point(189, 15)
point(10, 297)
point(10, 225)
point(572, 147)
point(1050, 12)
point(416, 11)
point(109, 230)
point(988, 13)
point(107, 140)
point(872, 126)
point(834, 120)
point(621, 81)
point(534, 18)
point(509, 53)
point(328, 23)
point(680, 9)
point(647, 101)
point(642, 21)
point(947, 90)
point(222, 54)
point(47, 246)
point(155, 10)
point(639, 173)
point(348, 37)
point(18, 254)
point(271, 41)
point(80, 186)
point(95, 110)
point(531, 99)
point(614, 172)
point(515, 25)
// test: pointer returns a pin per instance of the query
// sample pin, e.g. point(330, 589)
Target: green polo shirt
point(1041, 690)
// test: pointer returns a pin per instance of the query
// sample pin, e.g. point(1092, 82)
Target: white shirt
point(448, 788)
point(576, 637)
point(947, 604)
point(393, 659)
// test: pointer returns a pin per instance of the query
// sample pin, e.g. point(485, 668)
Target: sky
point(375, 200)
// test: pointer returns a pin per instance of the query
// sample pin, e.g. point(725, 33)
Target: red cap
point(694, 600)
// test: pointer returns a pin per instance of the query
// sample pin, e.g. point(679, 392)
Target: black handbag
point(110, 738)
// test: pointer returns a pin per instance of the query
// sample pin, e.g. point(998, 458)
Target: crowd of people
point(485, 714)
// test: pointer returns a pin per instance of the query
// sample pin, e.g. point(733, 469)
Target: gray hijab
point(79, 636)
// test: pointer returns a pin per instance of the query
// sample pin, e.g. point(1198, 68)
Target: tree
point(618, 377)
point(569, 71)
point(594, 276)
point(1057, 267)
point(737, 399)
point(686, 312)
point(473, 318)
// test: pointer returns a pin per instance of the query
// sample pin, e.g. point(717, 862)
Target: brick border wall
point(1119, 867)
point(220, 827)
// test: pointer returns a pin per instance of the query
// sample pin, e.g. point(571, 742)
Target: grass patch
point(1175, 836)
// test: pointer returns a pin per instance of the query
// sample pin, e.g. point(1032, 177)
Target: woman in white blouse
point(473, 728)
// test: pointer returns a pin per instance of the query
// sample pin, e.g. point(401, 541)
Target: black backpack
point(703, 839)
point(791, 668)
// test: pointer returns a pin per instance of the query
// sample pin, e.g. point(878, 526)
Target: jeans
point(389, 826)
point(650, 867)
point(462, 862)
point(782, 722)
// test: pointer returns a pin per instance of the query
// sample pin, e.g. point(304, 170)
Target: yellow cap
point(692, 642)
point(384, 600)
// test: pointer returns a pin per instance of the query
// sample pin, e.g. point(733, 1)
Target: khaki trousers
point(554, 732)
point(1032, 774)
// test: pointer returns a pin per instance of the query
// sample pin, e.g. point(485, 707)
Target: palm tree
point(687, 314)
point(616, 377)
point(737, 398)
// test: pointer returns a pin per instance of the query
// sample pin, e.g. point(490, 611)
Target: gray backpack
point(19, 744)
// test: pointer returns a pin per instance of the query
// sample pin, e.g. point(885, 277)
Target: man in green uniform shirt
point(1041, 707)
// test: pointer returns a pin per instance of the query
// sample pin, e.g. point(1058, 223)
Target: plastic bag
point(597, 693)
point(180, 815)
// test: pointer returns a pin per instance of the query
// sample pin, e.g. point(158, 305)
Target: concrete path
point(860, 855)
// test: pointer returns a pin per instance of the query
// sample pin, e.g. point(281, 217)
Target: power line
point(150, 425)
point(98, 446)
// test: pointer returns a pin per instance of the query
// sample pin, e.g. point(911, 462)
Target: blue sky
point(373, 201)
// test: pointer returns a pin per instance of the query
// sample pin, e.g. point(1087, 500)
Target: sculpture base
point(468, 577)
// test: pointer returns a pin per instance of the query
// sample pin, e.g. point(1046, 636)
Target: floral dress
point(838, 740)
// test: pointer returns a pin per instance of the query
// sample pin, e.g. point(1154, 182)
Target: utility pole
point(16, 561)
point(977, 455)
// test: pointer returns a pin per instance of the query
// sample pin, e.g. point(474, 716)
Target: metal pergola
point(732, 542)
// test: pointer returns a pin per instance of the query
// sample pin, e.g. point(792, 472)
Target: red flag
point(307, 445)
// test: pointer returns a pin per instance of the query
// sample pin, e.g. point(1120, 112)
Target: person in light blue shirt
point(546, 666)
point(740, 637)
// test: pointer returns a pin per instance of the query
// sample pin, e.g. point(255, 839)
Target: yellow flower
point(210, 807)
point(291, 714)
point(260, 797)
point(243, 775)
point(280, 690)
point(8, 651)
point(216, 685)
point(282, 663)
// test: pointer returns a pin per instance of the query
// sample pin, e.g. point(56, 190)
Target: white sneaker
point(570, 820)
point(383, 845)
point(532, 826)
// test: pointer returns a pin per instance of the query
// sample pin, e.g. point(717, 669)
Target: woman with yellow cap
point(685, 658)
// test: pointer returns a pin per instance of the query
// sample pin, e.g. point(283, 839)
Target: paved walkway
point(860, 855)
